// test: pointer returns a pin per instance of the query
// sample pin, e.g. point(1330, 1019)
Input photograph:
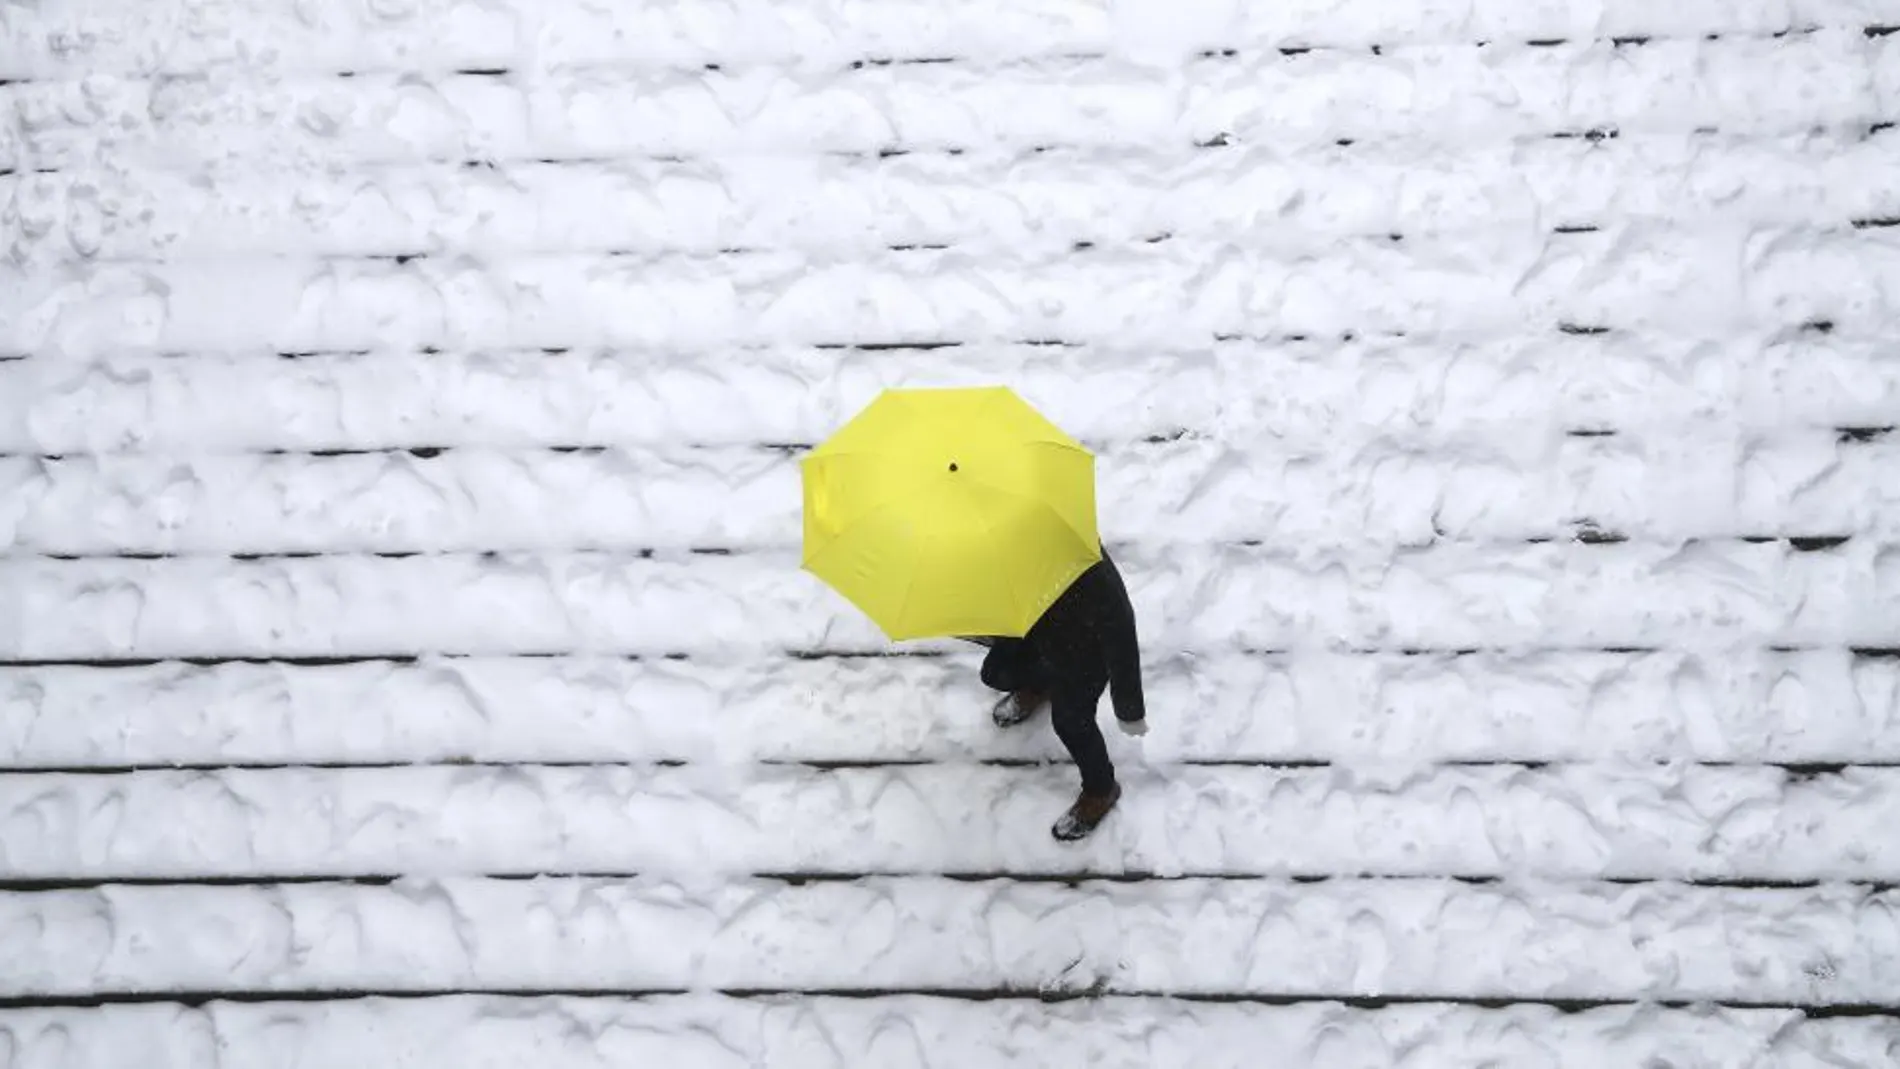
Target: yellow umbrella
point(944, 512)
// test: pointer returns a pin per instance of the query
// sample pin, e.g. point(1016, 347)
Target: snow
point(404, 659)
point(120, 36)
point(1427, 939)
point(916, 1032)
point(1747, 705)
point(1495, 391)
point(995, 199)
point(1636, 276)
point(1683, 822)
point(1741, 84)
point(985, 198)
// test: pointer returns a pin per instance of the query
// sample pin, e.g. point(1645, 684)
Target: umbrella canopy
point(941, 512)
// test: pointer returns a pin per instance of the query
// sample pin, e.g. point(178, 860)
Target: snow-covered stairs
point(405, 661)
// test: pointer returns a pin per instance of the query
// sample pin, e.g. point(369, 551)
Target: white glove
point(1133, 728)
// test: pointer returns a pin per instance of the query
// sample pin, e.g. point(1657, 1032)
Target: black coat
point(1086, 636)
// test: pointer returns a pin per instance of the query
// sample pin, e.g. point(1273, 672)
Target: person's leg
point(1073, 715)
point(1012, 667)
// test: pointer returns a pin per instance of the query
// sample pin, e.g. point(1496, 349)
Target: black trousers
point(1075, 692)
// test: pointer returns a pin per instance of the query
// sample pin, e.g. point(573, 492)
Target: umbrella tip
point(953, 465)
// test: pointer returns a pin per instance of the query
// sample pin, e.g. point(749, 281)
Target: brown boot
point(1085, 814)
point(1014, 708)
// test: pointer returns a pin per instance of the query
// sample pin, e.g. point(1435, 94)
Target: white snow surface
point(404, 660)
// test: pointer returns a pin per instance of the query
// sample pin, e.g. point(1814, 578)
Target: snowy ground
point(403, 660)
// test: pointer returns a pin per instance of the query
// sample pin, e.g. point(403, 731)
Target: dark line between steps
point(406, 257)
point(1580, 535)
point(404, 659)
point(1221, 140)
point(432, 452)
point(1346, 337)
point(890, 346)
point(1862, 434)
point(1844, 435)
point(1800, 770)
point(199, 997)
point(402, 258)
point(877, 61)
point(928, 61)
point(58, 884)
point(1073, 879)
point(1360, 1002)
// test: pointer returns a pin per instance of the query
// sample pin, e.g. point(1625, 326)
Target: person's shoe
point(1014, 708)
point(1087, 812)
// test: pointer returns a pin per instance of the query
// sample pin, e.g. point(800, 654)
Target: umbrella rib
point(910, 585)
point(1063, 523)
point(1030, 498)
point(1016, 592)
point(1066, 447)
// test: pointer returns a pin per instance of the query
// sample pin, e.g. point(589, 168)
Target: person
point(1083, 644)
